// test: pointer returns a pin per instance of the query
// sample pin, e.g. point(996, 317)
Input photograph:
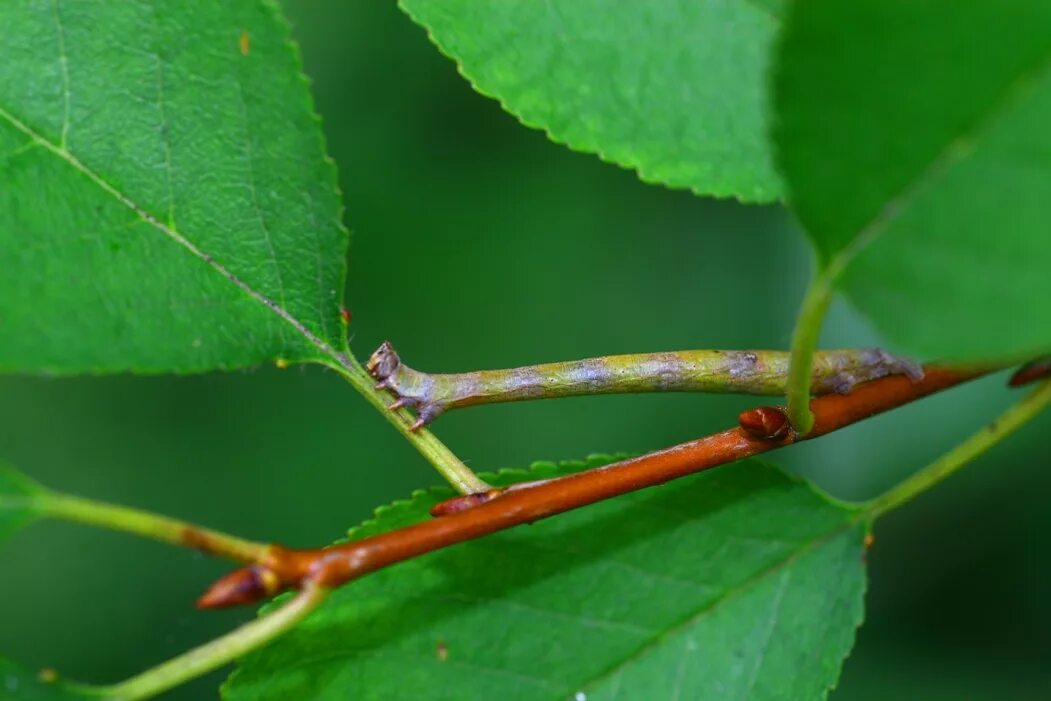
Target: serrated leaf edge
point(858, 516)
point(642, 172)
point(729, 596)
point(174, 235)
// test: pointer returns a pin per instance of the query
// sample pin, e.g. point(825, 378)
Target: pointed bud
point(248, 585)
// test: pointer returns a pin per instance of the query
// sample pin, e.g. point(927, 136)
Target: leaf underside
point(674, 90)
point(736, 583)
point(914, 140)
point(166, 204)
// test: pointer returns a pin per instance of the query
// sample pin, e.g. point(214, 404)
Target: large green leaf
point(673, 89)
point(18, 500)
point(166, 203)
point(914, 138)
point(736, 583)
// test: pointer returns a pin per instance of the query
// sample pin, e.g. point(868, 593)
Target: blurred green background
point(477, 243)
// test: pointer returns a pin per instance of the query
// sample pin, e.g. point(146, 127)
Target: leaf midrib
point(713, 606)
point(1015, 93)
point(174, 235)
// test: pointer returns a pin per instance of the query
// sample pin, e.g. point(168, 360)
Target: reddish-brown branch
point(1031, 372)
point(336, 565)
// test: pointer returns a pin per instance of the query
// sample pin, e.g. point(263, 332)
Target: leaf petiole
point(218, 652)
point(148, 525)
point(804, 342)
point(994, 432)
point(461, 477)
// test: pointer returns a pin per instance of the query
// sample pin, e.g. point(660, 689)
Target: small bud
point(765, 422)
point(281, 363)
point(245, 44)
point(245, 586)
point(464, 502)
point(344, 314)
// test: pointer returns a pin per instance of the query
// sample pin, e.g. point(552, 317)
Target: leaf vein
point(775, 614)
point(318, 267)
point(63, 63)
point(956, 150)
point(165, 140)
point(22, 149)
point(587, 621)
point(250, 162)
point(341, 653)
point(320, 344)
point(550, 547)
point(711, 607)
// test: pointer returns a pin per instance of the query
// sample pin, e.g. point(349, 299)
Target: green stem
point(1001, 427)
point(759, 372)
point(216, 653)
point(444, 460)
point(147, 525)
point(804, 342)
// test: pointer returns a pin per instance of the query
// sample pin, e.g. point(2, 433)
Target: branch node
point(464, 502)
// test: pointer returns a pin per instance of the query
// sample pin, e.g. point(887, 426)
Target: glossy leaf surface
point(913, 136)
point(736, 583)
point(674, 90)
point(166, 204)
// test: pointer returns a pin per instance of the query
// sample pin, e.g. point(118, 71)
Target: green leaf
point(19, 684)
point(914, 140)
point(166, 204)
point(19, 500)
point(674, 90)
point(741, 582)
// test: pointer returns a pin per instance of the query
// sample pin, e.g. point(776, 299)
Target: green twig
point(804, 342)
point(145, 524)
point(444, 460)
point(218, 652)
point(1001, 427)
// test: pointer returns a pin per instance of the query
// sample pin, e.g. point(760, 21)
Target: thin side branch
point(804, 343)
point(502, 509)
point(218, 652)
point(444, 460)
point(995, 431)
point(149, 525)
